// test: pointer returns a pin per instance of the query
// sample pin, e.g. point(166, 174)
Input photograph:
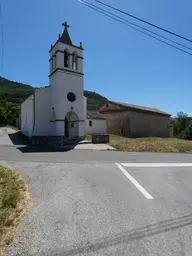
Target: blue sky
point(119, 63)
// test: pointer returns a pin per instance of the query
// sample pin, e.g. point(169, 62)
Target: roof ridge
point(143, 108)
point(94, 114)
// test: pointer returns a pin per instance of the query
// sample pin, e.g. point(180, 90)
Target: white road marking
point(137, 185)
point(157, 165)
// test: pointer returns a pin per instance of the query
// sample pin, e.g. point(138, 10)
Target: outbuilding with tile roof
point(96, 123)
point(135, 121)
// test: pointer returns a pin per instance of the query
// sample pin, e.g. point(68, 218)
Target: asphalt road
point(103, 203)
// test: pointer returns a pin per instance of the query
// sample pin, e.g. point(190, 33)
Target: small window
point(66, 59)
point(90, 123)
point(107, 105)
point(72, 124)
point(122, 130)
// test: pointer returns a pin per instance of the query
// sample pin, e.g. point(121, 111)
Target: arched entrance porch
point(71, 126)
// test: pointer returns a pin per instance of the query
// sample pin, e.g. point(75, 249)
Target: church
point(60, 109)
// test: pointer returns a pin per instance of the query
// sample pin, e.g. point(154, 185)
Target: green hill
point(12, 94)
point(13, 91)
point(94, 100)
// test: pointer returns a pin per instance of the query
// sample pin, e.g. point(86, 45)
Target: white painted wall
point(85, 115)
point(62, 83)
point(99, 126)
point(82, 128)
point(27, 116)
point(43, 110)
point(59, 49)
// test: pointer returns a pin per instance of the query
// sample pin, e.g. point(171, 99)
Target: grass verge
point(13, 127)
point(162, 145)
point(14, 202)
point(88, 137)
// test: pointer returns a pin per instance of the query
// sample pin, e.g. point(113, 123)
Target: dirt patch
point(14, 202)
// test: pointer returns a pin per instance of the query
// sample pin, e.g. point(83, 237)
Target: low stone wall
point(52, 141)
point(100, 138)
point(61, 141)
point(47, 141)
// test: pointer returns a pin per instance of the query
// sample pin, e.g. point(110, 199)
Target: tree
point(2, 119)
point(188, 131)
point(8, 113)
point(180, 124)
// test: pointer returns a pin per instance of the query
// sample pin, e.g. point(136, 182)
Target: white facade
point(96, 126)
point(27, 116)
point(60, 109)
point(43, 126)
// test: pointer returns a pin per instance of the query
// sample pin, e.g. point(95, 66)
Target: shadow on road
point(125, 237)
point(18, 138)
point(23, 144)
point(35, 149)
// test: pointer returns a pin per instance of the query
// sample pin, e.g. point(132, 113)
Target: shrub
point(188, 131)
point(180, 124)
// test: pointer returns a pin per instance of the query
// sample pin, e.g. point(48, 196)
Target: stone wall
point(118, 122)
point(149, 125)
point(108, 106)
point(52, 141)
point(136, 124)
point(100, 138)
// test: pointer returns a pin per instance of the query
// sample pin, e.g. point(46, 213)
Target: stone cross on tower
point(65, 25)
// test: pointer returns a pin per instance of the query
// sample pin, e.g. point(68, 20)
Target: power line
point(136, 25)
point(110, 16)
point(144, 21)
point(2, 35)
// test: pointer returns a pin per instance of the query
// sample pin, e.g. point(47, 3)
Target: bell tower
point(72, 59)
point(67, 86)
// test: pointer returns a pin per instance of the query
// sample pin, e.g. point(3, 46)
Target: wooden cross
point(65, 25)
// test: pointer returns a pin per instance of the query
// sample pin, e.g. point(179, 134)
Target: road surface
point(103, 203)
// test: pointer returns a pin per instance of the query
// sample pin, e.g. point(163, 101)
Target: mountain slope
point(13, 91)
point(17, 92)
point(94, 100)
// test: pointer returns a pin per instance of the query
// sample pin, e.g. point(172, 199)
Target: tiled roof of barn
point(140, 108)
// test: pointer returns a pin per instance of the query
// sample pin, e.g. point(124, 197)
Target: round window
point(71, 97)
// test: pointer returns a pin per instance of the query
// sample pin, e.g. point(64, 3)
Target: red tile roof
point(140, 108)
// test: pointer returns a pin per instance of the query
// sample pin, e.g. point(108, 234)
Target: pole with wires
point(144, 21)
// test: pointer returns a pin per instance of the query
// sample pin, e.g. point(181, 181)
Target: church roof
point(91, 114)
point(65, 38)
point(140, 108)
